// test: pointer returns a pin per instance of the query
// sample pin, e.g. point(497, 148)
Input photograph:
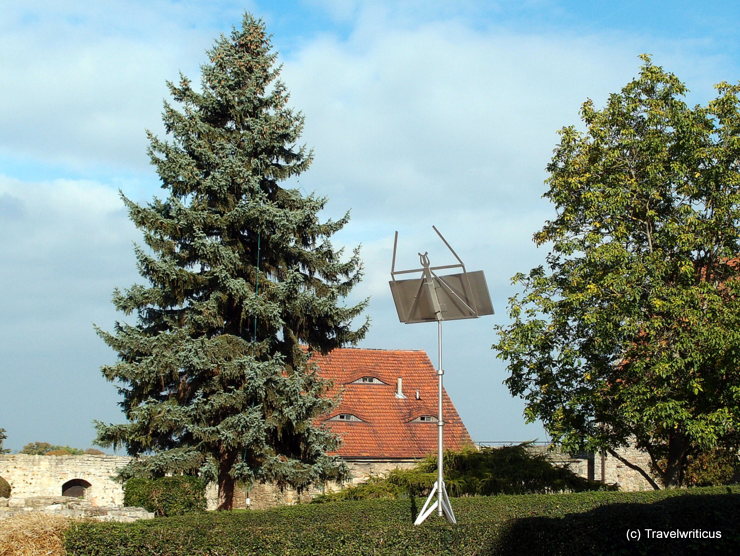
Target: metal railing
point(500, 443)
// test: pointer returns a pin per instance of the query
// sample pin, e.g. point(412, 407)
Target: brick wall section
point(606, 468)
point(579, 465)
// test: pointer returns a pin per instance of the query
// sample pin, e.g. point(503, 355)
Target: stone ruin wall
point(44, 476)
point(612, 471)
point(66, 506)
point(607, 469)
point(263, 496)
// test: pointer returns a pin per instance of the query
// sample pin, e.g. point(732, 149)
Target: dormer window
point(368, 380)
point(346, 418)
point(425, 419)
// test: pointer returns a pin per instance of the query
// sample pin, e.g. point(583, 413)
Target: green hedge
point(166, 496)
point(707, 523)
point(578, 523)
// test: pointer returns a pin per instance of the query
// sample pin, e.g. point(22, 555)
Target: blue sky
point(419, 113)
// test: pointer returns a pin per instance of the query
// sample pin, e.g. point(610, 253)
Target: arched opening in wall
point(75, 488)
point(4, 488)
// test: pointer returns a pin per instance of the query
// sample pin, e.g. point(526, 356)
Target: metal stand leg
point(442, 503)
point(444, 508)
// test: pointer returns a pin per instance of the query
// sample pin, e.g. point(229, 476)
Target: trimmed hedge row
point(700, 524)
point(579, 523)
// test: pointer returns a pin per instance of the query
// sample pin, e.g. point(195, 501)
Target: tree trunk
point(675, 461)
point(226, 483)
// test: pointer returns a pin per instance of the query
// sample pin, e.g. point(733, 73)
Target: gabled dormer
point(425, 419)
point(367, 379)
point(346, 418)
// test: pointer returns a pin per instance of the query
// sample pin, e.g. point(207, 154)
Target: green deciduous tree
point(46, 449)
point(632, 330)
point(243, 283)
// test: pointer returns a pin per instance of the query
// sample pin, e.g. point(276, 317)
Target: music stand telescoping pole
point(434, 298)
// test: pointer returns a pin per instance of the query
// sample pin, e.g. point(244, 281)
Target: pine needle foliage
point(243, 284)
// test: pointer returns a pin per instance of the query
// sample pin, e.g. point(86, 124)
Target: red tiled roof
point(386, 430)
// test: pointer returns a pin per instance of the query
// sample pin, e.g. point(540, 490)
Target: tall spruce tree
point(241, 274)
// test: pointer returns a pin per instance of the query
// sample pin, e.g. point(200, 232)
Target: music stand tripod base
point(442, 499)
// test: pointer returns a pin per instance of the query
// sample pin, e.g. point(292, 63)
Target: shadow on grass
point(701, 524)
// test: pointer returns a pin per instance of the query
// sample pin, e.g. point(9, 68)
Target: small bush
point(374, 487)
point(166, 496)
point(46, 449)
point(60, 452)
point(4, 488)
point(718, 467)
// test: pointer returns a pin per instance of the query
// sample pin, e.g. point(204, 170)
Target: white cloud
point(419, 114)
point(66, 245)
point(442, 123)
point(441, 118)
point(82, 81)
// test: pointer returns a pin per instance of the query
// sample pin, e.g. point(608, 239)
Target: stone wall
point(70, 507)
point(30, 476)
point(604, 468)
point(262, 496)
point(45, 476)
point(33, 476)
point(578, 464)
point(610, 470)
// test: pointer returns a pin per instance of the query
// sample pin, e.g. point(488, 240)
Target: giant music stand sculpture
point(431, 298)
